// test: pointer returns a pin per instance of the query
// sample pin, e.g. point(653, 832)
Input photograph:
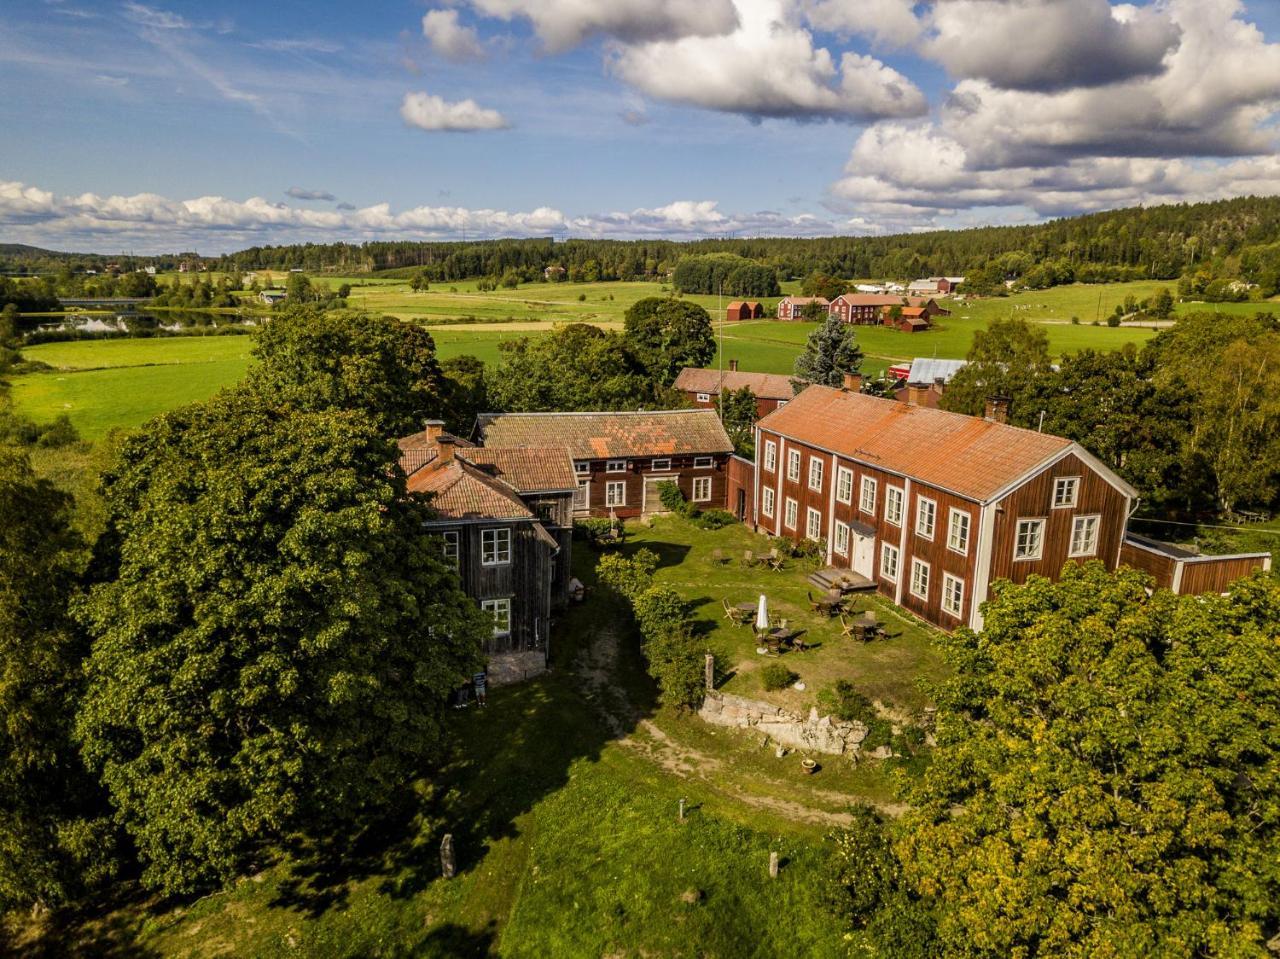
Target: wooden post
point(773, 865)
point(682, 810)
point(448, 865)
point(709, 672)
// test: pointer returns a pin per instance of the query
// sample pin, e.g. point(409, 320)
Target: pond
point(144, 322)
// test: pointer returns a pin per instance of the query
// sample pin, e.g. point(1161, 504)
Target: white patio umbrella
point(762, 614)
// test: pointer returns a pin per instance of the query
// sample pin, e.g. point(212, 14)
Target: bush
point(627, 576)
point(1113, 320)
point(671, 498)
point(775, 676)
point(61, 432)
point(713, 519)
point(861, 871)
point(675, 656)
point(843, 701)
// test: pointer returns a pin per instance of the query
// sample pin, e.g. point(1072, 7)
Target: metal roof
point(924, 370)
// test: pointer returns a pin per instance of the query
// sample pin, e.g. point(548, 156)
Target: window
point(1064, 491)
point(615, 494)
point(952, 595)
point(893, 505)
point(704, 397)
point(926, 516)
point(793, 465)
point(661, 466)
point(867, 495)
point(615, 466)
point(766, 501)
point(581, 467)
point(793, 509)
point(703, 462)
point(582, 498)
point(495, 546)
point(451, 548)
point(844, 484)
point(1084, 536)
point(770, 456)
point(920, 579)
point(1030, 541)
point(842, 538)
point(958, 532)
point(815, 474)
point(813, 524)
point(500, 610)
point(702, 489)
point(889, 562)
point(781, 404)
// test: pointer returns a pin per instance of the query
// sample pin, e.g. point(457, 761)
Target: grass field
point(106, 383)
point(562, 799)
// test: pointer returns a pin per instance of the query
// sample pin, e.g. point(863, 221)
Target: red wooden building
point(792, 307)
point(931, 506)
point(871, 309)
point(744, 310)
point(619, 459)
point(703, 387)
point(1186, 572)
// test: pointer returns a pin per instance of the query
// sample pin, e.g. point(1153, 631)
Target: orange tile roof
point(461, 491)
point(610, 435)
point(768, 386)
point(805, 300)
point(526, 469)
point(967, 455)
point(418, 449)
point(883, 299)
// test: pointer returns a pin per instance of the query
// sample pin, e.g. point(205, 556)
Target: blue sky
point(163, 125)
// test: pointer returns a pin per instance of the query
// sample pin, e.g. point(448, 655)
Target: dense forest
point(1222, 241)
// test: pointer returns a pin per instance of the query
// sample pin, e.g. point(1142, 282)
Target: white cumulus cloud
point(426, 111)
point(449, 38)
point(563, 24)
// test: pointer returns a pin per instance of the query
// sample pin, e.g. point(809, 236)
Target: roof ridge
point(602, 413)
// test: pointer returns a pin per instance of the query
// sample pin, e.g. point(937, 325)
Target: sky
point(171, 126)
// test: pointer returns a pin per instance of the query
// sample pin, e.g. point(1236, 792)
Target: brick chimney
point(445, 444)
point(852, 383)
point(915, 394)
point(733, 366)
point(997, 409)
point(434, 428)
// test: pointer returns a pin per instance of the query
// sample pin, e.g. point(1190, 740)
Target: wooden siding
point(763, 406)
point(1216, 574)
point(639, 471)
point(1034, 500)
point(740, 479)
point(1157, 565)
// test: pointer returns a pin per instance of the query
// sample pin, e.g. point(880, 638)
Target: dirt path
point(596, 666)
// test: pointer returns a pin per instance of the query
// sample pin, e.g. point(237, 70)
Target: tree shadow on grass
point(669, 554)
point(506, 758)
point(107, 931)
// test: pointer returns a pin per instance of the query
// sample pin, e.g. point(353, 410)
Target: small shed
point(744, 310)
point(1185, 571)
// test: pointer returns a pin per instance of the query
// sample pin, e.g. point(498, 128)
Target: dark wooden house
point(505, 518)
point(931, 507)
point(619, 459)
point(703, 386)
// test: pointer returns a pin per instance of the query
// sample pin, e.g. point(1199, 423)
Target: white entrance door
point(863, 554)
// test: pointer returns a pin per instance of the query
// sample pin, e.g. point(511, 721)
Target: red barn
point(744, 310)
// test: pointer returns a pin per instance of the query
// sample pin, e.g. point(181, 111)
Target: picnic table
point(740, 613)
point(829, 604)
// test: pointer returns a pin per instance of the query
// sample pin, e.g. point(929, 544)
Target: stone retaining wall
point(508, 668)
point(819, 734)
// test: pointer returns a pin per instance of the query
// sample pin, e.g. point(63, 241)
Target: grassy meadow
point(103, 384)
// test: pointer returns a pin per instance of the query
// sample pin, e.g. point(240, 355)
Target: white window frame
point(615, 466)
point(1070, 484)
point(894, 518)
point(816, 470)
point(584, 487)
point(703, 462)
point(793, 465)
point(840, 538)
point(953, 526)
point(1079, 522)
point(952, 587)
point(770, 456)
point(704, 397)
point(452, 546)
point(609, 489)
point(491, 548)
point(886, 551)
point(1036, 522)
point(767, 501)
point(582, 467)
point(867, 493)
point(499, 609)
point(844, 485)
point(791, 513)
point(813, 524)
point(702, 489)
point(921, 530)
point(920, 570)
point(661, 466)
point(781, 404)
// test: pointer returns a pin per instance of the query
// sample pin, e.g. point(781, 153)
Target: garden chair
point(774, 560)
point(847, 628)
point(749, 559)
point(718, 557)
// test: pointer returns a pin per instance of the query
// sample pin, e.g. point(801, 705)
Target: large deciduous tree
point(666, 334)
point(53, 837)
point(310, 359)
point(1107, 777)
point(1010, 358)
point(831, 352)
point(274, 637)
point(576, 367)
